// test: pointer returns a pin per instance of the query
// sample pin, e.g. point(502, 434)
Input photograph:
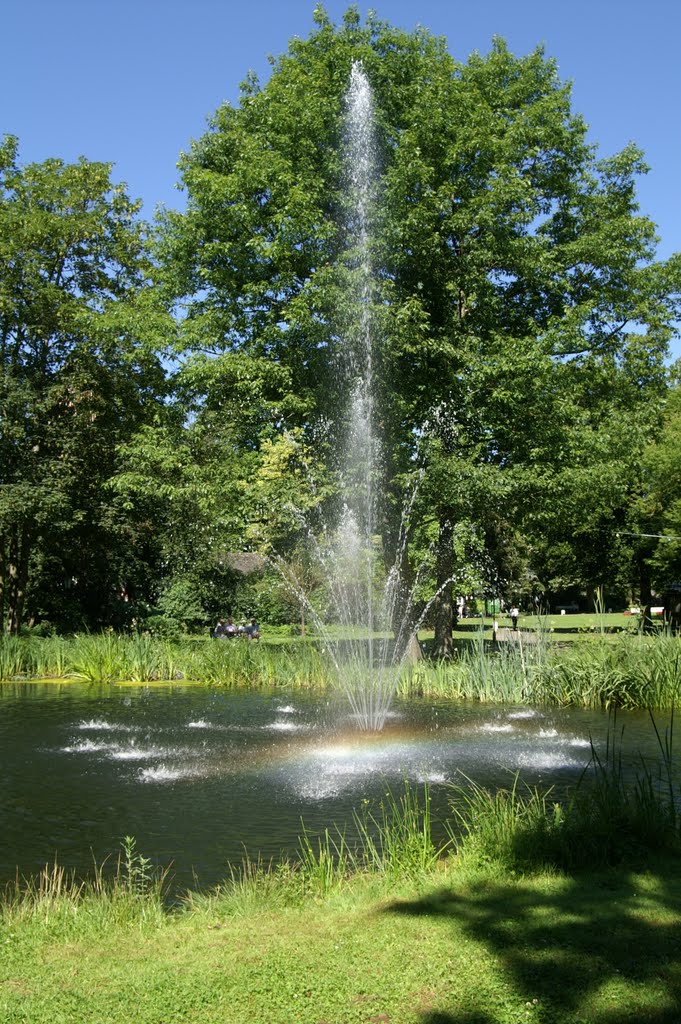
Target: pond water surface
point(202, 777)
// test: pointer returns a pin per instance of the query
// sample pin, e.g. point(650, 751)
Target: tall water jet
point(353, 556)
point(360, 452)
point(363, 594)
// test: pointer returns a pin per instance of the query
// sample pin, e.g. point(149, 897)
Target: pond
point(202, 777)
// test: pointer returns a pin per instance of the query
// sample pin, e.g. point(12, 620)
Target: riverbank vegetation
point(528, 911)
point(602, 670)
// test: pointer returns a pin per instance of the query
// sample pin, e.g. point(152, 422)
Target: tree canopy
point(80, 337)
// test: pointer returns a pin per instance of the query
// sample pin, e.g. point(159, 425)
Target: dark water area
point(202, 777)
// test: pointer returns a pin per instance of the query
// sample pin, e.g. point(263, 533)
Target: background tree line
point(170, 393)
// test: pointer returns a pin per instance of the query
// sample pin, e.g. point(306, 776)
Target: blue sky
point(132, 81)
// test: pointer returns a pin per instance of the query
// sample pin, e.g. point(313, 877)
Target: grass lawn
point(460, 946)
point(571, 626)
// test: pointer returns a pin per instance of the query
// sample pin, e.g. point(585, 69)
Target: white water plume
point(368, 606)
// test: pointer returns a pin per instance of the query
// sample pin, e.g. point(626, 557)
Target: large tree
point(217, 477)
point(79, 326)
point(516, 300)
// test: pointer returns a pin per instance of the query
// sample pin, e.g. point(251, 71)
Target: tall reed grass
point(111, 658)
point(626, 670)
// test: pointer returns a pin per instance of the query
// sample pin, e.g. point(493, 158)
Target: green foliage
point(517, 307)
point(657, 508)
point(80, 332)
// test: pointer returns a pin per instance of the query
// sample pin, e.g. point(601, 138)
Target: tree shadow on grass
point(564, 945)
point(464, 1018)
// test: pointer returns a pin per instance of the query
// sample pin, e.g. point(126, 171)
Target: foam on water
point(115, 751)
point(133, 753)
point(285, 727)
point(167, 773)
point(102, 725)
point(547, 759)
point(88, 747)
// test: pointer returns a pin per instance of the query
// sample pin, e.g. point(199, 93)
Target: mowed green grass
point(568, 627)
point(571, 626)
point(459, 946)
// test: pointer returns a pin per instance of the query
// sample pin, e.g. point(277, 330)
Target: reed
point(13, 657)
point(49, 657)
point(627, 671)
point(134, 893)
point(606, 819)
point(602, 670)
point(143, 660)
point(98, 659)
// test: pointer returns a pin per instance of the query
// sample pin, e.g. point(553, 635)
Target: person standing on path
point(514, 613)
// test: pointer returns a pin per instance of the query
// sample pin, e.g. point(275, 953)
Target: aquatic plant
point(49, 657)
point(13, 661)
point(143, 659)
point(626, 670)
point(606, 819)
point(99, 658)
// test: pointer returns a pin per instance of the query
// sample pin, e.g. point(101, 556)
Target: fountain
point(364, 600)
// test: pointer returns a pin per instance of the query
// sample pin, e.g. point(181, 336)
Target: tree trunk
point(412, 651)
point(17, 578)
point(646, 596)
point(404, 616)
point(3, 577)
point(444, 602)
point(396, 533)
